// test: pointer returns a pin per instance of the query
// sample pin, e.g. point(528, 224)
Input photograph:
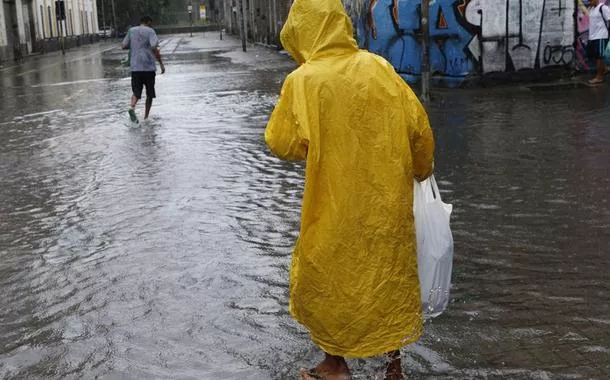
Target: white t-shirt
point(597, 26)
point(141, 40)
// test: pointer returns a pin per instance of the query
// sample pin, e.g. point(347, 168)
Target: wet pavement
point(161, 251)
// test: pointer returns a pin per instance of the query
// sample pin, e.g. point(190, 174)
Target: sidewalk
point(38, 60)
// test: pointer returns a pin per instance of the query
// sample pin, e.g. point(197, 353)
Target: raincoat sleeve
point(422, 143)
point(285, 136)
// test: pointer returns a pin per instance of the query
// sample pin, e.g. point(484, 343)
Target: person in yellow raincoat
point(365, 137)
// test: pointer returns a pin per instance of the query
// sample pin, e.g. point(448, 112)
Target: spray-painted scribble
point(470, 37)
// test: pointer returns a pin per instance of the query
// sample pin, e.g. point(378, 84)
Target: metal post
point(276, 22)
point(104, 18)
point(116, 31)
point(243, 26)
point(270, 19)
point(251, 26)
point(221, 18)
point(60, 14)
point(425, 62)
point(61, 34)
point(190, 8)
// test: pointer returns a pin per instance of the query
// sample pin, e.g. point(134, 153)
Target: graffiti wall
point(471, 36)
point(521, 34)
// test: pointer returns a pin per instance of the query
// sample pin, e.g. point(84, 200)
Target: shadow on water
point(162, 250)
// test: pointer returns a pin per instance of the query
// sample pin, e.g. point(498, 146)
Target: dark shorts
point(139, 79)
point(596, 48)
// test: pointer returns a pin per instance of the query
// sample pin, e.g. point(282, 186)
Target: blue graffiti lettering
point(391, 28)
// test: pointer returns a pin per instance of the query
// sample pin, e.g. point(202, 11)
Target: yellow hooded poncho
point(365, 137)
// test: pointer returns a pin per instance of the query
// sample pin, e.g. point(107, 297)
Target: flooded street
point(162, 251)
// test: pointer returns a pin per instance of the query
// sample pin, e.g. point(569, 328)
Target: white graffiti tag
point(522, 33)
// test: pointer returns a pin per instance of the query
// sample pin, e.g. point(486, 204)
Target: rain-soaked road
point(161, 252)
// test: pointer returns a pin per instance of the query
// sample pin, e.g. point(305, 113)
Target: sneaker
point(132, 116)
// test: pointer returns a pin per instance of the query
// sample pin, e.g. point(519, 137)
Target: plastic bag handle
point(435, 190)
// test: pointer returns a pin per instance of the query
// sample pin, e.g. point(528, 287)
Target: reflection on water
point(162, 251)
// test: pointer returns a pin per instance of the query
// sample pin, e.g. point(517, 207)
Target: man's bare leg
point(149, 102)
point(601, 69)
point(331, 368)
point(134, 101)
point(601, 72)
point(394, 371)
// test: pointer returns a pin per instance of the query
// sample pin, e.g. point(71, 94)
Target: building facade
point(28, 26)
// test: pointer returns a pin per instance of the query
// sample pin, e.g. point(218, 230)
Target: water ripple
point(163, 250)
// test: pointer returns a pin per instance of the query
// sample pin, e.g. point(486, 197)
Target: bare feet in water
point(335, 368)
point(331, 368)
point(394, 371)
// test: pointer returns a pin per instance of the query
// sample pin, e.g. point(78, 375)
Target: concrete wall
point(11, 14)
point(469, 37)
point(185, 29)
point(3, 35)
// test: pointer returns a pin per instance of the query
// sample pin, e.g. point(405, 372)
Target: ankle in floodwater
point(132, 116)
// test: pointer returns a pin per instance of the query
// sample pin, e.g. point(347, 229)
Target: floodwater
point(162, 251)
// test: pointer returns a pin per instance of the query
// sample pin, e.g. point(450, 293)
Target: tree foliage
point(129, 12)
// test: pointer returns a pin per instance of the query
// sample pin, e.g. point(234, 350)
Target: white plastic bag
point(434, 246)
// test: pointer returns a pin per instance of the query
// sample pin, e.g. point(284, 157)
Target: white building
point(32, 24)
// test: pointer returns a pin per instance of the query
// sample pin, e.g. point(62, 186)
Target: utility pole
point(425, 62)
point(244, 23)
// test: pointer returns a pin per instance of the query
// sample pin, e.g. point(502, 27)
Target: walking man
point(365, 138)
point(143, 43)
